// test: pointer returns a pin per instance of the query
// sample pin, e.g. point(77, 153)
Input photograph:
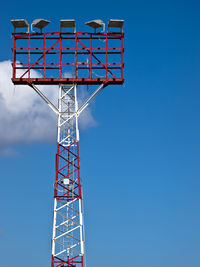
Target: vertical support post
point(54, 227)
point(44, 56)
point(29, 54)
point(14, 57)
point(76, 109)
point(122, 51)
point(90, 56)
point(60, 57)
point(55, 189)
point(76, 47)
point(106, 56)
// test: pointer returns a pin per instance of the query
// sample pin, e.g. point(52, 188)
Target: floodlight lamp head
point(67, 23)
point(115, 23)
point(39, 24)
point(20, 23)
point(95, 24)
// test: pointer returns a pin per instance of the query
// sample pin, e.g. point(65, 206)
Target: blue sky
point(140, 163)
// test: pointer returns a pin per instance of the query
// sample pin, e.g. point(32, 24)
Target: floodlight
point(39, 23)
point(20, 23)
point(95, 24)
point(115, 23)
point(68, 23)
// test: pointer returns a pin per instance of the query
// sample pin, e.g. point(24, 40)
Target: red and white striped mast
point(68, 226)
point(68, 241)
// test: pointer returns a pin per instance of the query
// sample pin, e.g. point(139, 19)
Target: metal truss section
point(89, 58)
point(68, 226)
point(68, 132)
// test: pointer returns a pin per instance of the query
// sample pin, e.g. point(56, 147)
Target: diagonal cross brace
point(79, 111)
point(97, 59)
point(93, 95)
point(45, 98)
point(40, 58)
point(86, 103)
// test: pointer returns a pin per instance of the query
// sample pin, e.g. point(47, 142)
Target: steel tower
point(88, 59)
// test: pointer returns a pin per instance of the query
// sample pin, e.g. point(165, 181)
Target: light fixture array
point(68, 23)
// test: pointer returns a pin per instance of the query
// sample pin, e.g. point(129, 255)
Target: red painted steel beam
point(83, 81)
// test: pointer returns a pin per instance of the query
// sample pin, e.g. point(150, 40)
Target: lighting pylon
point(68, 59)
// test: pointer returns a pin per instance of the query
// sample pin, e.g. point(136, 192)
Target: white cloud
point(24, 117)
